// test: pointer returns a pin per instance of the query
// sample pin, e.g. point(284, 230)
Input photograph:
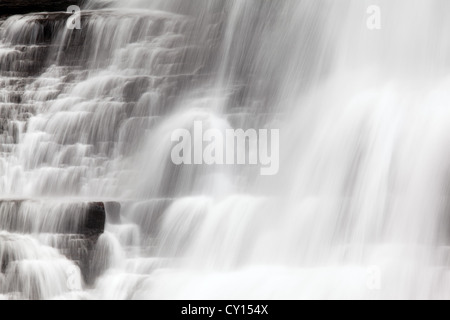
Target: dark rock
point(11, 7)
point(74, 238)
point(95, 220)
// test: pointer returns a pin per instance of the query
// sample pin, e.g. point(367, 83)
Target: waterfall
point(359, 208)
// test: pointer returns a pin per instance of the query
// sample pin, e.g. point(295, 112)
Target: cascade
point(93, 207)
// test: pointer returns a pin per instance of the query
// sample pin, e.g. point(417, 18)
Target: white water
point(365, 125)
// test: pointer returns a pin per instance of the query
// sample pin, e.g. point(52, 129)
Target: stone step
point(11, 7)
point(24, 60)
point(35, 216)
point(73, 228)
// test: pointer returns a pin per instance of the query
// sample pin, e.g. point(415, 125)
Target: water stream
point(359, 209)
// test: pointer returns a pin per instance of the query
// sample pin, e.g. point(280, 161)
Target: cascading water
point(87, 115)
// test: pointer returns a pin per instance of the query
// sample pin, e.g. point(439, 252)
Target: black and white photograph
point(224, 154)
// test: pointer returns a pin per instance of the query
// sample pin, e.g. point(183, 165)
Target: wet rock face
point(20, 65)
point(94, 224)
point(71, 228)
point(11, 7)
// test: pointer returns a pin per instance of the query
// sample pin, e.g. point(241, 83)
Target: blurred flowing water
point(359, 209)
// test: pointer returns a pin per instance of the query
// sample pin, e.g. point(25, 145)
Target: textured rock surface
point(10, 7)
point(71, 228)
point(20, 67)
